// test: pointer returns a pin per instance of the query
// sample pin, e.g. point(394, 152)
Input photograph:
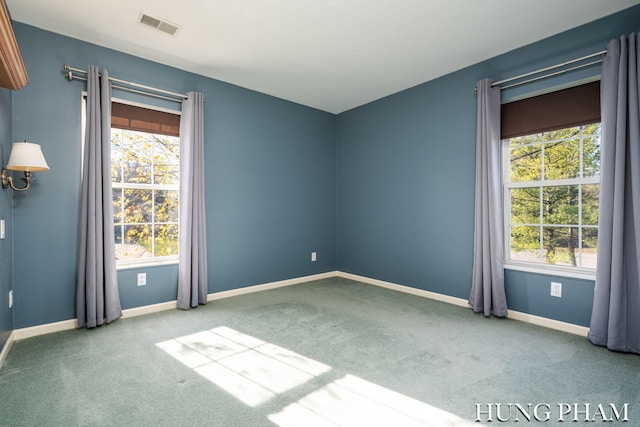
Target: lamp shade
point(26, 156)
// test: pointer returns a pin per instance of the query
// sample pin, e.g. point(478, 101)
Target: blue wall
point(406, 171)
point(6, 213)
point(270, 181)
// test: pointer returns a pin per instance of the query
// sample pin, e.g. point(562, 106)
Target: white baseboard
point(47, 328)
point(549, 323)
point(267, 286)
point(65, 325)
point(515, 315)
point(406, 289)
point(32, 331)
point(6, 348)
point(148, 309)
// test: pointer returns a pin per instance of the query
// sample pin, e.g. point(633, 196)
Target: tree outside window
point(145, 179)
point(551, 197)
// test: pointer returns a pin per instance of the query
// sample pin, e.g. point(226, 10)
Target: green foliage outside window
point(145, 171)
point(553, 194)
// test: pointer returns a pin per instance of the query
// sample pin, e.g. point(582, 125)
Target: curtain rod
point(553, 67)
point(556, 73)
point(129, 86)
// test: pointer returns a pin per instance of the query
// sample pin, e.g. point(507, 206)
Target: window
point(145, 169)
point(551, 177)
point(551, 194)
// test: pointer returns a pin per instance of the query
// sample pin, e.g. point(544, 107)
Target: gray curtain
point(615, 319)
point(192, 269)
point(97, 297)
point(487, 286)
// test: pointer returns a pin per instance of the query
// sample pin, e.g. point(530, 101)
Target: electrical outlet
point(313, 256)
point(556, 289)
point(11, 298)
point(142, 279)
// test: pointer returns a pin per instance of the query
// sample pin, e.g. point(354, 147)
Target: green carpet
point(329, 352)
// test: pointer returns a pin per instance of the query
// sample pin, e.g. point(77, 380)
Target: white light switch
point(1, 228)
point(313, 256)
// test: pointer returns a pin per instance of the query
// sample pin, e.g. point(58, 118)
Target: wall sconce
point(25, 157)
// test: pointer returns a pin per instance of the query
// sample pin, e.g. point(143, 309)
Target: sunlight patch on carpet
point(255, 371)
point(250, 369)
point(353, 401)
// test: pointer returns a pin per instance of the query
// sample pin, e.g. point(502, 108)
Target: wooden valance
point(13, 75)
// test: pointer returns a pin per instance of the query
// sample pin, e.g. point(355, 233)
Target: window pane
point(561, 245)
point(560, 204)
point(137, 158)
point(166, 159)
point(562, 134)
point(525, 205)
point(590, 203)
point(117, 232)
point(166, 206)
point(166, 174)
point(137, 242)
point(119, 246)
point(137, 205)
point(589, 247)
point(525, 243)
point(166, 239)
point(117, 206)
point(591, 150)
point(116, 156)
point(526, 163)
point(562, 159)
point(525, 139)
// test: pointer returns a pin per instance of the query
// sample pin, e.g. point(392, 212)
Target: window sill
point(146, 263)
point(553, 271)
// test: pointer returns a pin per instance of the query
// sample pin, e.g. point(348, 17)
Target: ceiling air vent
point(159, 24)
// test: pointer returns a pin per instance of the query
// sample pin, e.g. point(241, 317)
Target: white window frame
point(507, 185)
point(124, 264)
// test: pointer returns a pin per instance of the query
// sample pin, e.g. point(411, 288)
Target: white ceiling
point(333, 55)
